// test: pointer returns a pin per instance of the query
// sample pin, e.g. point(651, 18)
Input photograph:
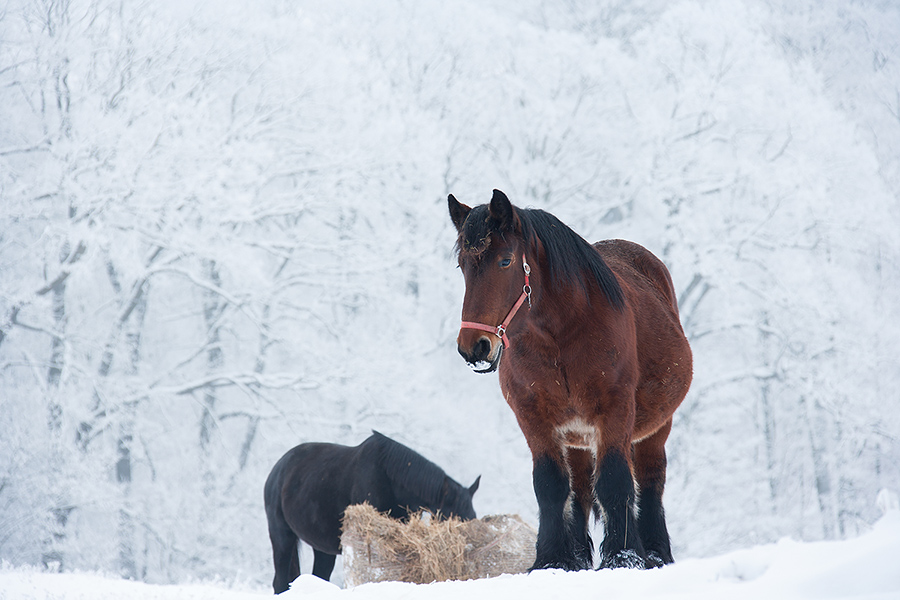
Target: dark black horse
point(309, 488)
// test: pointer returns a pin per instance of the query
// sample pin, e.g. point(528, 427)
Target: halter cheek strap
point(500, 330)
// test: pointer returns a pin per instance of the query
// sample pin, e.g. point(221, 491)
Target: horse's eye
point(505, 262)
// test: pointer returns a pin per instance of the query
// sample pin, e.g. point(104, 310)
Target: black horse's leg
point(323, 564)
point(294, 571)
point(285, 556)
point(555, 546)
point(650, 472)
point(622, 545)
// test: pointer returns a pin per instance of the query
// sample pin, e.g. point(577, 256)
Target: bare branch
point(278, 381)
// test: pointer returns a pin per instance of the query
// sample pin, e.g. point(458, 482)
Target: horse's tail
point(272, 490)
point(285, 551)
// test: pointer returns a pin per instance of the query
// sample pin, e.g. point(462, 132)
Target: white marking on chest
point(577, 433)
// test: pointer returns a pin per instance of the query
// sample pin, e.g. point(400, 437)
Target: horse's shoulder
point(376, 445)
point(380, 453)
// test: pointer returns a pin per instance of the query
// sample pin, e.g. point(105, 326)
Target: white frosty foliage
point(223, 232)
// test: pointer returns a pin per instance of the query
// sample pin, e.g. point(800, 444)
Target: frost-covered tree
point(223, 232)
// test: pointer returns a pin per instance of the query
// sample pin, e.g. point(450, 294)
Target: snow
point(260, 191)
point(861, 568)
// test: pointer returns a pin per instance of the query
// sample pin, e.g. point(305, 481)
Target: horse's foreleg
point(650, 472)
point(581, 468)
point(555, 545)
point(323, 564)
point(614, 487)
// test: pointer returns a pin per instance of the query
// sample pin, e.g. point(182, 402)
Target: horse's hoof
point(655, 560)
point(565, 565)
point(624, 559)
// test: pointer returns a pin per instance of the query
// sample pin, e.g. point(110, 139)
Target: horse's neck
point(408, 491)
point(410, 494)
point(557, 310)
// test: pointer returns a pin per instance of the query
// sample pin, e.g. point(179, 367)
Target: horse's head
point(456, 500)
point(417, 483)
point(492, 257)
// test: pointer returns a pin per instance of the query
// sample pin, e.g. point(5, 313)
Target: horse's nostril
point(481, 350)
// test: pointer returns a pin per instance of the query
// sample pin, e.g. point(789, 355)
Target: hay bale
point(422, 550)
point(498, 544)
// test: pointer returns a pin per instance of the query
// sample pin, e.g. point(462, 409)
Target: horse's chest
point(538, 392)
point(549, 396)
point(555, 417)
point(577, 433)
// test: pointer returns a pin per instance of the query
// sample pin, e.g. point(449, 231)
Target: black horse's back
point(309, 488)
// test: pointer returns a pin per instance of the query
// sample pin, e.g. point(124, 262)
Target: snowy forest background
point(223, 232)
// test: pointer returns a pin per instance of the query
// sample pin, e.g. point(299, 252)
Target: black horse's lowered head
point(456, 500)
point(418, 483)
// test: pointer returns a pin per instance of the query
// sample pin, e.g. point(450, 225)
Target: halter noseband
point(500, 330)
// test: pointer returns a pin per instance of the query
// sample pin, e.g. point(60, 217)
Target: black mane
point(410, 470)
point(569, 255)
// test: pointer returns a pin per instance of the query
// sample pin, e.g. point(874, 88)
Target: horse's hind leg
point(323, 564)
point(285, 556)
point(650, 472)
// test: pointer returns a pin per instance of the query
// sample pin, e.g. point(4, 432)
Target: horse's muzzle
point(484, 357)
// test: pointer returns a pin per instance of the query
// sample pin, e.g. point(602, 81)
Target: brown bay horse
point(592, 360)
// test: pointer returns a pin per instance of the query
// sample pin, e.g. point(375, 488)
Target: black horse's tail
point(284, 541)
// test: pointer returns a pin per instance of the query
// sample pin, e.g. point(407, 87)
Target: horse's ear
point(458, 212)
point(474, 487)
point(502, 211)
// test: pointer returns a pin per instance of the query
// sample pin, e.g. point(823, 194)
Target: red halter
point(500, 330)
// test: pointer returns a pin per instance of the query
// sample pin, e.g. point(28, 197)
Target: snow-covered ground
point(863, 567)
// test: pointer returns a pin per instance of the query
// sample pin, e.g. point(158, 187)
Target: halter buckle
point(526, 289)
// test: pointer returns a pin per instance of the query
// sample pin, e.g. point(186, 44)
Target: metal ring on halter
point(526, 289)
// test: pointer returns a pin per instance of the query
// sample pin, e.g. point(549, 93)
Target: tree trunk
point(212, 311)
point(127, 530)
point(816, 428)
point(53, 554)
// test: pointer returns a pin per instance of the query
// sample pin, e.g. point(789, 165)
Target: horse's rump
point(663, 353)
